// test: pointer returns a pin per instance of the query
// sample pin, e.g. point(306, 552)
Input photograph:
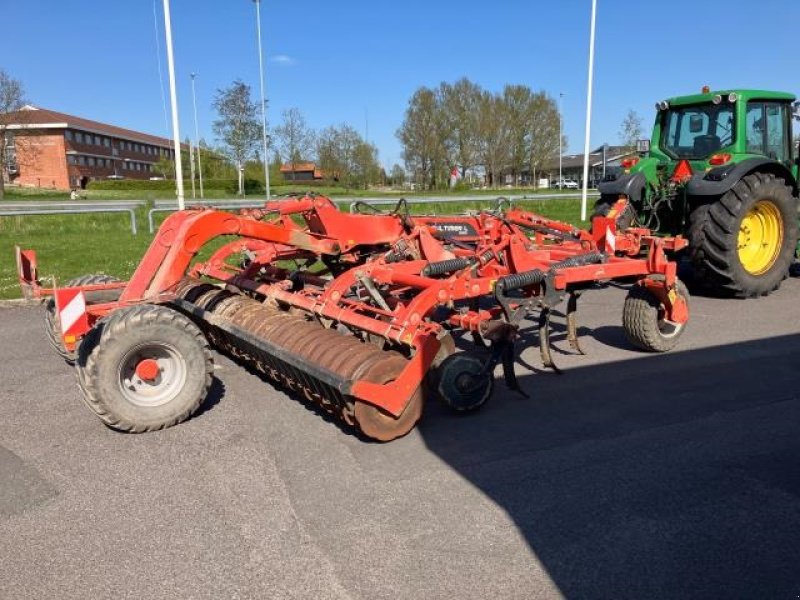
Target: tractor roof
point(742, 94)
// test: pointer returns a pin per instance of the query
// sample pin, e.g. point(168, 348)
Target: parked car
point(566, 184)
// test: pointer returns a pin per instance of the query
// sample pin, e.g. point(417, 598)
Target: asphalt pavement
point(629, 476)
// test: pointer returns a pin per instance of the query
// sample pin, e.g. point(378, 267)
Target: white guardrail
point(17, 209)
point(22, 209)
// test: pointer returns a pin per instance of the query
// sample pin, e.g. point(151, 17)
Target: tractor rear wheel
point(743, 244)
point(51, 324)
point(144, 368)
point(643, 318)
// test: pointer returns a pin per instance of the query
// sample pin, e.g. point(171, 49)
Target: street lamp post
point(263, 100)
point(173, 96)
point(197, 137)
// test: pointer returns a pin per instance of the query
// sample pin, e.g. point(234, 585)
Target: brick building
point(50, 149)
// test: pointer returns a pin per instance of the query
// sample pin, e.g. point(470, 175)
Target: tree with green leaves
point(343, 154)
point(12, 98)
point(494, 134)
point(460, 105)
point(424, 139)
point(397, 175)
point(544, 131)
point(238, 127)
point(463, 125)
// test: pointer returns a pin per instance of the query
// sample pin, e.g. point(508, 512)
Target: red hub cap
point(147, 369)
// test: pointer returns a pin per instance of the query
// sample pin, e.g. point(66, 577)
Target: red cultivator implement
point(354, 312)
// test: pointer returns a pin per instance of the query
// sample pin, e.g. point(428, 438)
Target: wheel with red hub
point(144, 368)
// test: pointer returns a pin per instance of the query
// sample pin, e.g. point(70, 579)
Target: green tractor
point(722, 169)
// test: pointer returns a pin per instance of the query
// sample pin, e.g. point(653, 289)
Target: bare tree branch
point(12, 98)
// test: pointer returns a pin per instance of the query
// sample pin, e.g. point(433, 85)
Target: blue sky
point(337, 60)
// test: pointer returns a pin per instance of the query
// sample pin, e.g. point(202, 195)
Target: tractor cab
point(712, 129)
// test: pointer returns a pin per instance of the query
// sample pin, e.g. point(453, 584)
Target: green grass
point(73, 245)
point(18, 194)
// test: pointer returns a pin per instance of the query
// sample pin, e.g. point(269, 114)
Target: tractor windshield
point(696, 132)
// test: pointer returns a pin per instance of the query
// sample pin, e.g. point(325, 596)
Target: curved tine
point(544, 340)
point(572, 324)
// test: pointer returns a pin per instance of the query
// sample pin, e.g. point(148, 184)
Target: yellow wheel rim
point(760, 237)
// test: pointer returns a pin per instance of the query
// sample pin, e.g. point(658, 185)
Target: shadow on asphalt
point(675, 475)
point(215, 393)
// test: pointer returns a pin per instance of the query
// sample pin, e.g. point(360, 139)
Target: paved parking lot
point(629, 476)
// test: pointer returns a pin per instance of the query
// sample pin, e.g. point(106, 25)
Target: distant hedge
point(251, 186)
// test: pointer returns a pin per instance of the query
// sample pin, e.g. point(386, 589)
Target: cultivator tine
point(510, 377)
point(544, 340)
point(572, 323)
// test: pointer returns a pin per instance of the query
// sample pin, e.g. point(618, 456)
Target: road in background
point(629, 476)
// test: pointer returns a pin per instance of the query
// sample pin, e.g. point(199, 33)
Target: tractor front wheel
point(144, 368)
point(743, 244)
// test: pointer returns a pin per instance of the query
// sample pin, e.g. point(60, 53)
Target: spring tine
point(544, 340)
point(508, 368)
point(572, 323)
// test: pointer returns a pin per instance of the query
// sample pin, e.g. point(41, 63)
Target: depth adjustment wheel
point(144, 368)
point(645, 323)
point(463, 384)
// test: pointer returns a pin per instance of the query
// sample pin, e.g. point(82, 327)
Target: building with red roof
point(50, 149)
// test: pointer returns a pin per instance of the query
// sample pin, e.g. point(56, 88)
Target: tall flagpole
point(263, 101)
point(560, 139)
point(197, 136)
point(173, 98)
point(585, 193)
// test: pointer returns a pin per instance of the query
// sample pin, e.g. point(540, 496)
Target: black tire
point(642, 319)
point(107, 378)
point(604, 204)
point(51, 325)
point(714, 237)
point(462, 385)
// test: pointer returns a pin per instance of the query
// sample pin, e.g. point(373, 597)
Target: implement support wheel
point(144, 368)
point(644, 321)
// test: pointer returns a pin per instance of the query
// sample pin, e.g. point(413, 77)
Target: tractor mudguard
point(719, 180)
point(630, 185)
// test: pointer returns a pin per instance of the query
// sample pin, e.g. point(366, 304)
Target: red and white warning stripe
point(71, 306)
point(611, 241)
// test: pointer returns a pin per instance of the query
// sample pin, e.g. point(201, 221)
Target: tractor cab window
point(696, 132)
point(767, 127)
